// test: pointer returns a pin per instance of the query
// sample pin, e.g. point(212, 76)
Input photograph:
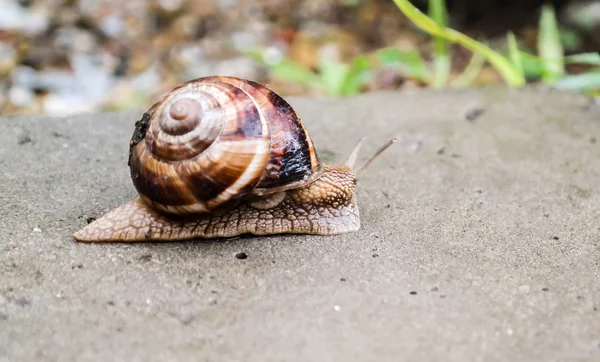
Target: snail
point(221, 157)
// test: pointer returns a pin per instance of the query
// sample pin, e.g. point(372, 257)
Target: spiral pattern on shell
point(213, 141)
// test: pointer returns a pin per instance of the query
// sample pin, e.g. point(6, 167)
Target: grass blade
point(584, 58)
point(580, 82)
point(550, 47)
point(500, 63)
point(441, 50)
point(514, 53)
point(471, 71)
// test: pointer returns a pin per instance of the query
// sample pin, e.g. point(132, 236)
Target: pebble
point(8, 58)
point(21, 97)
point(112, 25)
point(32, 21)
point(75, 40)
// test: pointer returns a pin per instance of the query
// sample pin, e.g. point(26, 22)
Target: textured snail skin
point(327, 206)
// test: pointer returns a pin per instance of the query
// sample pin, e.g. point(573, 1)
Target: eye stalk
point(354, 154)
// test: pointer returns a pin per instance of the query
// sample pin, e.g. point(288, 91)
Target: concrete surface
point(479, 242)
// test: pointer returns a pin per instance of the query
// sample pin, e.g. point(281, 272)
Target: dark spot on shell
point(139, 133)
point(241, 256)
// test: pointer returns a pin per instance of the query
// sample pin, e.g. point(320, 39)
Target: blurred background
point(60, 57)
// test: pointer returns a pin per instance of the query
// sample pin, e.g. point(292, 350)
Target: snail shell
point(214, 141)
point(222, 156)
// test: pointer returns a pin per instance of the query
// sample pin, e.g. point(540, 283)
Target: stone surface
point(479, 241)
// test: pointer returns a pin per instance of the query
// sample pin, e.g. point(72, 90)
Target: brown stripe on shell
point(156, 180)
point(293, 159)
point(242, 118)
point(249, 136)
point(215, 181)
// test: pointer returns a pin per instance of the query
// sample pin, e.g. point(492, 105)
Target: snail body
point(221, 157)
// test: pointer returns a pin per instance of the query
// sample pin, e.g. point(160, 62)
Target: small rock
point(473, 114)
point(21, 301)
point(8, 58)
point(184, 318)
point(23, 140)
point(112, 25)
point(30, 21)
point(37, 229)
point(145, 257)
point(21, 96)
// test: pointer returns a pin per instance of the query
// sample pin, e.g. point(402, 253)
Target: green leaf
point(409, 63)
point(389, 56)
point(333, 75)
point(441, 57)
point(287, 70)
point(533, 66)
point(580, 82)
point(584, 58)
point(291, 71)
point(569, 38)
point(511, 76)
point(550, 47)
point(360, 71)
